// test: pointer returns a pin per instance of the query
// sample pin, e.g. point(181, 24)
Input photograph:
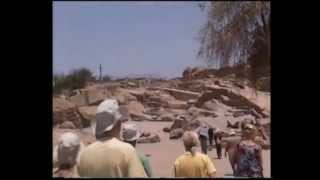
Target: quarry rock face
point(201, 95)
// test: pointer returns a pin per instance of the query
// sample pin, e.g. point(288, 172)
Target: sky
point(126, 38)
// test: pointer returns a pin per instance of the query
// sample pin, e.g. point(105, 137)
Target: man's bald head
point(190, 140)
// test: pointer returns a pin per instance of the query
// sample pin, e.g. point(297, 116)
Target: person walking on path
point(203, 137)
point(130, 134)
point(230, 148)
point(66, 155)
point(193, 163)
point(218, 142)
point(249, 155)
point(109, 156)
point(211, 135)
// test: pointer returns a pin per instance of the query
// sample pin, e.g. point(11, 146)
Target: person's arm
point(210, 167)
point(135, 167)
point(236, 154)
point(260, 158)
point(148, 167)
point(175, 173)
point(226, 149)
point(55, 156)
point(263, 133)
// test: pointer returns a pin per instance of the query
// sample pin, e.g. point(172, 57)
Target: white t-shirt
point(204, 131)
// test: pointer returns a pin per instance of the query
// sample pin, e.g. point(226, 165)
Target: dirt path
point(163, 154)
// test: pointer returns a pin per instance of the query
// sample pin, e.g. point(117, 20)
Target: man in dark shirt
point(210, 132)
point(217, 139)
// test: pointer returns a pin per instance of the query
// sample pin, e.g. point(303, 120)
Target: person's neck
point(106, 138)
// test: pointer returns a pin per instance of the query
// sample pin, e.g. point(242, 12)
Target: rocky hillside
point(201, 95)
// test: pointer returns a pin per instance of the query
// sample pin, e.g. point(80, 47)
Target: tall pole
point(100, 73)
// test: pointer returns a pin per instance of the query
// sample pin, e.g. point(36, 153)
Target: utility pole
point(100, 73)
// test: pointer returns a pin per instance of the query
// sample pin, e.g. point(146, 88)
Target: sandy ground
point(163, 154)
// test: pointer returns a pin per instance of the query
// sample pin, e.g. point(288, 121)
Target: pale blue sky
point(127, 38)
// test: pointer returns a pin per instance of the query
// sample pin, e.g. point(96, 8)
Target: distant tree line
point(76, 79)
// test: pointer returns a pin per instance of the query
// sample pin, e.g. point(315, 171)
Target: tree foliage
point(76, 79)
point(236, 32)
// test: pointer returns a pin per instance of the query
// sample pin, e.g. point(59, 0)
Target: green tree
point(76, 79)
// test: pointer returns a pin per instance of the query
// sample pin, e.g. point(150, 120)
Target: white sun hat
point(106, 117)
point(130, 132)
point(68, 150)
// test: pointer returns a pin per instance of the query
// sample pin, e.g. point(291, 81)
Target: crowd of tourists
point(113, 154)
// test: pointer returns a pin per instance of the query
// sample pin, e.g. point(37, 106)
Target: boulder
point(239, 113)
point(132, 84)
point(239, 85)
point(191, 101)
point(176, 133)
point(154, 111)
point(123, 96)
point(198, 112)
point(64, 110)
point(181, 94)
point(236, 125)
point(166, 117)
point(67, 125)
point(166, 129)
point(78, 100)
point(95, 96)
point(228, 98)
point(153, 104)
point(139, 94)
point(145, 134)
point(178, 123)
point(210, 105)
point(125, 115)
point(141, 117)
point(151, 139)
point(216, 82)
point(88, 114)
point(135, 107)
point(89, 96)
point(176, 104)
point(192, 125)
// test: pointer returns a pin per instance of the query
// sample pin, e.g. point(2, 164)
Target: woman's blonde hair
point(249, 131)
point(190, 141)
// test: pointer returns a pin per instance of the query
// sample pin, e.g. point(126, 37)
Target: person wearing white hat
point(230, 147)
point(66, 155)
point(109, 156)
point(130, 134)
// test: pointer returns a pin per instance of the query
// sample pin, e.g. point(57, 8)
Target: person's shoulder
point(90, 147)
point(124, 145)
point(202, 156)
point(180, 158)
point(232, 139)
